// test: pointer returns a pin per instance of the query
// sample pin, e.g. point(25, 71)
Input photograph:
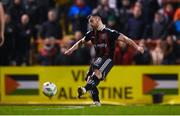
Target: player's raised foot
point(81, 91)
point(96, 103)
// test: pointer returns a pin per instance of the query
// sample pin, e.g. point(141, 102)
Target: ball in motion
point(49, 89)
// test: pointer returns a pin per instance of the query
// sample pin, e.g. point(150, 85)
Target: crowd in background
point(38, 32)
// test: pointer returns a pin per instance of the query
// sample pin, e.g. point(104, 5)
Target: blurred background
point(39, 31)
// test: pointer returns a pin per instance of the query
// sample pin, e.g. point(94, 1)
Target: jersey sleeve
point(87, 36)
point(114, 34)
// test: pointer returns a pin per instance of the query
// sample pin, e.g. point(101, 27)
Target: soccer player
point(2, 24)
point(103, 40)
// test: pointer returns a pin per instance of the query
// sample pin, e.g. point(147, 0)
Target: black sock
point(93, 82)
point(95, 94)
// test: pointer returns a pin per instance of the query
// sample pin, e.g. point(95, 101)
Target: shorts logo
point(103, 45)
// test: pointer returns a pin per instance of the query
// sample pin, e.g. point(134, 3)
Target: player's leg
point(96, 75)
point(101, 69)
point(106, 68)
point(82, 90)
point(92, 82)
point(91, 78)
point(95, 96)
point(91, 86)
point(89, 73)
point(94, 92)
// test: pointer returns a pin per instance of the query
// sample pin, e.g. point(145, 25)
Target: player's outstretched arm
point(130, 42)
point(77, 45)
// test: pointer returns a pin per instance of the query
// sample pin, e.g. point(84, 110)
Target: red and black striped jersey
point(103, 41)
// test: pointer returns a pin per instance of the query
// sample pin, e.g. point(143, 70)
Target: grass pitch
point(83, 110)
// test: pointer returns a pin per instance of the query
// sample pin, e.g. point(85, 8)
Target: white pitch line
point(60, 108)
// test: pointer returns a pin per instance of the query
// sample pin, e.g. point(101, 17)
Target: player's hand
point(140, 49)
point(68, 52)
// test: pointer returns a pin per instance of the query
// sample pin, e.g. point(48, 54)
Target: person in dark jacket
point(43, 7)
point(16, 10)
point(136, 24)
point(124, 14)
point(7, 50)
point(25, 32)
point(10, 43)
point(31, 8)
point(159, 29)
point(51, 28)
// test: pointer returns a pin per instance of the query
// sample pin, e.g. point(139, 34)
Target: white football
point(49, 89)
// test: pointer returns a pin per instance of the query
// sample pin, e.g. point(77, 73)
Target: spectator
point(63, 59)
point(23, 41)
point(178, 51)
point(177, 22)
point(6, 3)
point(105, 11)
point(139, 5)
point(113, 4)
point(112, 23)
point(51, 28)
point(170, 51)
point(48, 53)
point(46, 4)
point(10, 43)
point(145, 58)
point(157, 53)
point(168, 12)
point(159, 29)
point(82, 55)
point(177, 15)
point(93, 3)
point(7, 51)
point(16, 10)
point(78, 15)
point(123, 54)
point(124, 14)
point(136, 25)
point(31, 9)
point(149, 8)
point(43, 7)
point(62, 6)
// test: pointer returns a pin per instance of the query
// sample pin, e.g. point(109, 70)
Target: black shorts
point(104, 65)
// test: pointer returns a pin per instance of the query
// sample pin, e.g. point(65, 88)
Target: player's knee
point(98, 74)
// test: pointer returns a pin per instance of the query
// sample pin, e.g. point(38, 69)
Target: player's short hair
point(94, 15)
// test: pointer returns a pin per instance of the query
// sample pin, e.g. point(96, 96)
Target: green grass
point(104, 109)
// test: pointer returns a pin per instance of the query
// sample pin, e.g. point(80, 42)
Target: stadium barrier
point(124, 85)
